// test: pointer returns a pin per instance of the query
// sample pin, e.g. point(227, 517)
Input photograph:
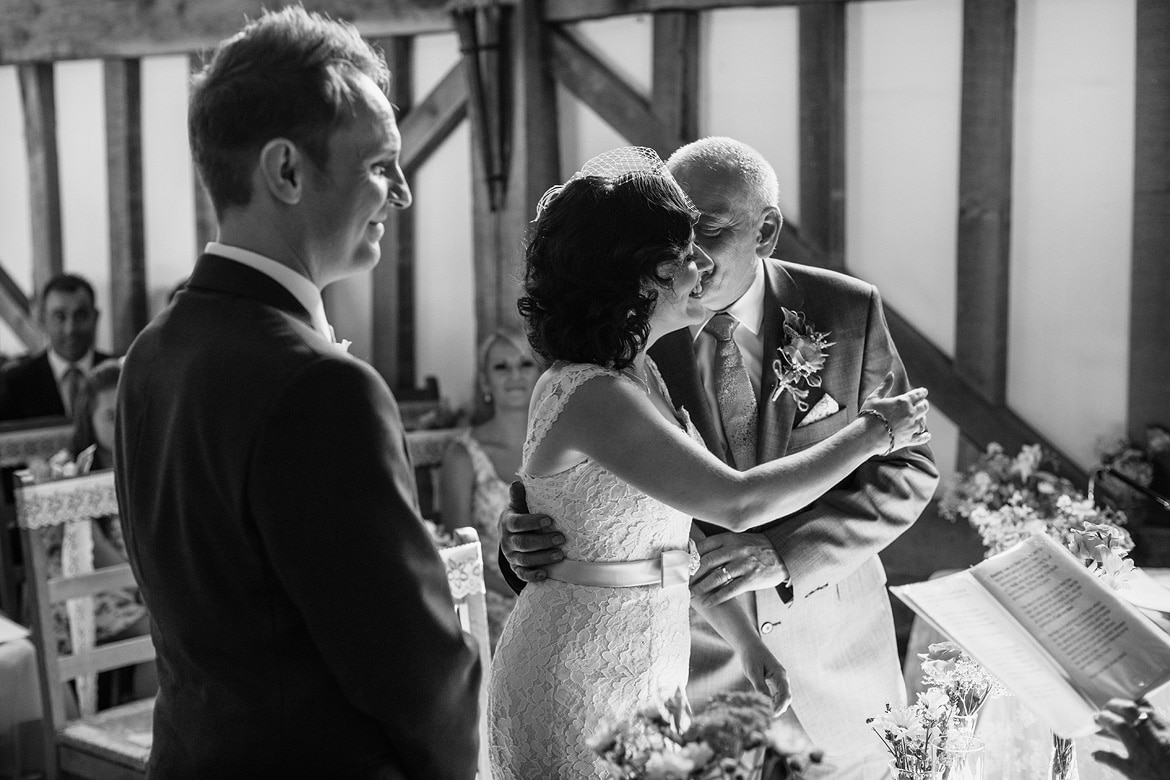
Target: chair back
point(426, 449)
point(464, 564)
point(71, 503)
point(21, 442)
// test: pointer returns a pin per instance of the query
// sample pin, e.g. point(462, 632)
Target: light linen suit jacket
point(833, 632)
point(301, 613)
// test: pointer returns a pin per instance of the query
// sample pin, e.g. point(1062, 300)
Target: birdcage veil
point(625, 164)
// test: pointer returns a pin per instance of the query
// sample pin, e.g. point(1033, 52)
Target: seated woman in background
point(481, 461)
point(118, 614)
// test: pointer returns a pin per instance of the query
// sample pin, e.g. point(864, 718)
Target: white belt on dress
point(673, 567)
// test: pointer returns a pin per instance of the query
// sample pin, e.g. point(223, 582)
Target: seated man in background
point(45, 384)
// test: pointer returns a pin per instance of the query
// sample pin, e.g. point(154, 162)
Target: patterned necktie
point(733, 390)
point(70, 385)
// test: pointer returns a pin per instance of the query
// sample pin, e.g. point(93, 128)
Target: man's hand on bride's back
point(529, 542)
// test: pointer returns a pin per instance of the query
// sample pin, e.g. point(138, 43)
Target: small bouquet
point(965, 683)
point(909, 732)
point(801, 358)
point(62, 465)
point(726, 739)
point(1104, 550)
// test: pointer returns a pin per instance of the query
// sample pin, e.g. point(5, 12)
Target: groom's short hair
point(288, 74)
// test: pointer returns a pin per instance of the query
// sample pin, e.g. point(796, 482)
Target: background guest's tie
point(737, 400)
point(70, 385)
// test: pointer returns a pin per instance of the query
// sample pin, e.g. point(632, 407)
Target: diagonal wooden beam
point(822, 129)
point(674, 96)
point(427, 125)
point(604, 91)
point(40, 132)
point(1149, 327)
point(980, 420)
point(983, 262)
point(16, 311)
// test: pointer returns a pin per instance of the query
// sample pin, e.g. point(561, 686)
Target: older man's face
point(70, 320)
point(728, 231)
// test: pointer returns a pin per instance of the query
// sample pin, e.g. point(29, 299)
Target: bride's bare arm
point(765, 673)
point(614, 422)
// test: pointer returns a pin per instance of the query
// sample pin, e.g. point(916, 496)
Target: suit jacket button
point(766, 627)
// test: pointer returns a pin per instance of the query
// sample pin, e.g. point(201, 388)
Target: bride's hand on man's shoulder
point(904, 415)
point(528, 541)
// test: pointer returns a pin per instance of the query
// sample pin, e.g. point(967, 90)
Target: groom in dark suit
point(301, 613)
point(812, 581)
point(44, 384)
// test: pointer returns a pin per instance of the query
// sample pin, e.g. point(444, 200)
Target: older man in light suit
point(812, 581)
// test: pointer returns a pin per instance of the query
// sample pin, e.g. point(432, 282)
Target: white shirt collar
point(60, 365)
point(748, 309)
point(300, 286)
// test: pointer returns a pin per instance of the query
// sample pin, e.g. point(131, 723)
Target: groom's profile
point(301, 613)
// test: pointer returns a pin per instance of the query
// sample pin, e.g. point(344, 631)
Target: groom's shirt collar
point(301, 288)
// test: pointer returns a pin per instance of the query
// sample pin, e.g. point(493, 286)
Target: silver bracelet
point(885, 422)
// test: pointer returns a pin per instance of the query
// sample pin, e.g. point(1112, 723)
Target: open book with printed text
point(1055, 635)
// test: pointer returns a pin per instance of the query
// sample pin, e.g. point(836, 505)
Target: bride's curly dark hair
point(594, 267)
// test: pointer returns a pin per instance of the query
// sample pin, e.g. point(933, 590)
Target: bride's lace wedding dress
point(572, 656)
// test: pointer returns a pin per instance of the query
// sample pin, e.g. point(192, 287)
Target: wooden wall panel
point(127, 222)
point(674, 95)
point(38, 102)
point(392, 354)
point(1149, 356)
point(985, 189)
point(822, 130)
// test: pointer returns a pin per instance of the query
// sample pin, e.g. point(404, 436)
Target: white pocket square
point(821, 409)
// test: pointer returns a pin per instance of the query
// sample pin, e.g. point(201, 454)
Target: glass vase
point(964, 725)
point(959, 756)
point(1064, 760)
point(898, 773)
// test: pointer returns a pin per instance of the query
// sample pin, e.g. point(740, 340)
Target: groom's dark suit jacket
point(301, 613)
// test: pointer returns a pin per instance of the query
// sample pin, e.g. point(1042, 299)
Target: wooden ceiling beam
point(674, 96)
point(599, 87)
point(582, 10)
point(44, 30)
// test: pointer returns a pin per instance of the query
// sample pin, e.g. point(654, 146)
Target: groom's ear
point(282, 170)
point(769, 232)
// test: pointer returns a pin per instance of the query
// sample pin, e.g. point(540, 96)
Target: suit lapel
point(221, 275)
point(675, 356)
point(775, 419)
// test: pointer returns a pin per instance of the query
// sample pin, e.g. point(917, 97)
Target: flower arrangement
point(916, 736)
point(802, 356)
point(1007, 499)
point(725, 739)
point(965, 683)
point(1104, 550)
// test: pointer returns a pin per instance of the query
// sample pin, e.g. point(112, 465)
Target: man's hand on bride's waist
point(529, 542)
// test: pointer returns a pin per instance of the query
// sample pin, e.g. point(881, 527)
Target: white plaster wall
point(749, 88)
point(1072, 217)
point(445, 270)
point(902, 112)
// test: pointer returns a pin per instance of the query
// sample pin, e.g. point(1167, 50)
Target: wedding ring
point(726, 575)
point(1141, 718)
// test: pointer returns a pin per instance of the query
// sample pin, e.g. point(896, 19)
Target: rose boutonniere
point(802, 356)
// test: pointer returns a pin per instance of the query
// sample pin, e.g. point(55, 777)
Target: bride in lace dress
point(611, 267)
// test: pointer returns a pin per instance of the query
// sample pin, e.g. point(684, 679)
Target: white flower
point(933, 702)
point(668, 766)
point(700, 753)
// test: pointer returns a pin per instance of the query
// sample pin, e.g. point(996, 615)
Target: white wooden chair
point(464, 564)
point(113, 743)
point(21, 442)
